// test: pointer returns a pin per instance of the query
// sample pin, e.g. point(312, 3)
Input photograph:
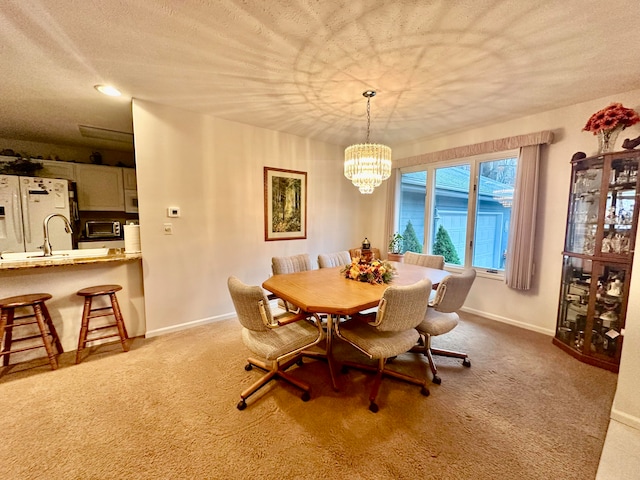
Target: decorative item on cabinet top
point(608, 123)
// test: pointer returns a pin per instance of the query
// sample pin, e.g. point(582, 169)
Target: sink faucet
point(46, 248)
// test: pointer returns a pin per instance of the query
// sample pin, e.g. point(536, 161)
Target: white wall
point(213, 170)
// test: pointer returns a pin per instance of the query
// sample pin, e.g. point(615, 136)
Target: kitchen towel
point(132, 239)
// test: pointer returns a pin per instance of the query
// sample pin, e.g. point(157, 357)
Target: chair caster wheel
point(241, 405)
point(305, 397)
point(344, 370)
point(373, 407)
point(425, 391)
point(299, 362)
point(437, 380)
point(466, 362)
point(248, 367)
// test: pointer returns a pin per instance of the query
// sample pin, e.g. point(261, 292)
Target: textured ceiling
point(300, 66)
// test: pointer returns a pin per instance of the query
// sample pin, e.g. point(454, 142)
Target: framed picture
point(285, 204)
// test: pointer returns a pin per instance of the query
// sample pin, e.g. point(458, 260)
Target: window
point(465, 208)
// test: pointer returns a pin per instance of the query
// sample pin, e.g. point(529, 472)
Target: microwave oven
point(102, 229)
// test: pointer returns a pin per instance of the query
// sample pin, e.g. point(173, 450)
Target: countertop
point(114, 255)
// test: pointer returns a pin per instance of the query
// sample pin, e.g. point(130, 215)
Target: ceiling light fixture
point(108, 90)
point(367, 164)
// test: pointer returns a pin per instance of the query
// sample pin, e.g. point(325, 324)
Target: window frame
point(474, 181)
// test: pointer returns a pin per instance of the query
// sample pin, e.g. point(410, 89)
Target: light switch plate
point(173, 211)
point(168, 228)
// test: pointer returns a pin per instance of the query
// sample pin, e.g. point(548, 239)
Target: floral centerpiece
point(609, 122)
point(375, 272)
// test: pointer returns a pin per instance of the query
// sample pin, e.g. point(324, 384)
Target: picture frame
point(285, 204)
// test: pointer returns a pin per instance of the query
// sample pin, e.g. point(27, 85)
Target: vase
point(607, 140)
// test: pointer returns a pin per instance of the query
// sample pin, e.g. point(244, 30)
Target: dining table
point(328, 291)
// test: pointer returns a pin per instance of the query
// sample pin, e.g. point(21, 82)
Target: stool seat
point(40, 316)
point(24, 300)
point(90, 312)
point(99, 290)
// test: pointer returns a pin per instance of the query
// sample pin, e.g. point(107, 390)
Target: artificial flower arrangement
point(612, 117)
point(375, 272)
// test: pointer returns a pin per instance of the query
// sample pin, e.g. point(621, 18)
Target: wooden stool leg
point(82, 339)
point(122, 330)
point(52, 328)
point(37, 308)
point(6, 323)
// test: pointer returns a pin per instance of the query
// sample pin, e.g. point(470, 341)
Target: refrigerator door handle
point(27, 220)
point(17, 221)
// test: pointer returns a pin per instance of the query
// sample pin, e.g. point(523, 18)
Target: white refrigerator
point(24, 204)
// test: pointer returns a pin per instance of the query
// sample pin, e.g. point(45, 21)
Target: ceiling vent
point(105, 134)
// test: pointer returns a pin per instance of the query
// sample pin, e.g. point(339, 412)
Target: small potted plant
point(395, 248)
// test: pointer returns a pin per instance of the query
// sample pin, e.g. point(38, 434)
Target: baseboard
point(184, 326)
point(527, 326)
point(625, 418)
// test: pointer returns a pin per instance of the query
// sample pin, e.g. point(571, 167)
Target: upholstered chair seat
point(442, 317)
point(391, 332)
point(279, 342)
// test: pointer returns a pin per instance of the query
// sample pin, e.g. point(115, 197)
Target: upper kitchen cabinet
point(53, 169)
point(99, 187)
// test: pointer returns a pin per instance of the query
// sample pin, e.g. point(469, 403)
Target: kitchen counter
point(63, 276)
point(114, 255)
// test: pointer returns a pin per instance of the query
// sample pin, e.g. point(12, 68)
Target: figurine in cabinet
point(615, 288)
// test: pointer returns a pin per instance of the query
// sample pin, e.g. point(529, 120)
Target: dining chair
point(424, 260)
point(441, 318)
point(391, 333)
point(290, 264)
point(280, 341)
point(338, 259)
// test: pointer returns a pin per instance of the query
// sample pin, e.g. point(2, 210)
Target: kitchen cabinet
point(597, 258)
point(53, 169)
point(129, 179)
point(100, 188)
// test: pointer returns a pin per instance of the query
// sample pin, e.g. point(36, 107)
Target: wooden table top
point(327, 291)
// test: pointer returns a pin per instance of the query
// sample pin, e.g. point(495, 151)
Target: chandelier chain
point(368, 117)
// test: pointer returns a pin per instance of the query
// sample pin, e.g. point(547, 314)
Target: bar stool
point(40, 317)
point(88, 313)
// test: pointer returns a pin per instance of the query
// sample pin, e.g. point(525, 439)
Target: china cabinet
point(597, 257)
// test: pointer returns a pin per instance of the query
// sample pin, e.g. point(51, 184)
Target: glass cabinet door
point(575, 294)
point(584, 205)
point(605, 337)
point(620, 208)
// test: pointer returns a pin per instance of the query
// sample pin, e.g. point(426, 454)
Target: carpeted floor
point(166, 409)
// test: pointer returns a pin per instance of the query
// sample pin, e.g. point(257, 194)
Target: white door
point(11, 234)
point(40, 198)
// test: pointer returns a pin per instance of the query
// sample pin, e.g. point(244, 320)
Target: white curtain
point(519, 262)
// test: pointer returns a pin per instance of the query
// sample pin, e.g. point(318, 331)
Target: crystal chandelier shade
point(367, 164)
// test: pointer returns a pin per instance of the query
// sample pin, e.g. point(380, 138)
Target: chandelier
point(367, 164)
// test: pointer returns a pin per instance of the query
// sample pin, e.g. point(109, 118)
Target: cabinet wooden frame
point(602, 217)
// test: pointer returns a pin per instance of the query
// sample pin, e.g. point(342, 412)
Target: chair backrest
point(292, 264)
point(338, 259)
point(453, 291)
point(246, 300)
point(357, 252)
point(424, 260)
point(403, 307)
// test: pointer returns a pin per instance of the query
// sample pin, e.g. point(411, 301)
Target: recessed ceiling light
point(108, 90)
